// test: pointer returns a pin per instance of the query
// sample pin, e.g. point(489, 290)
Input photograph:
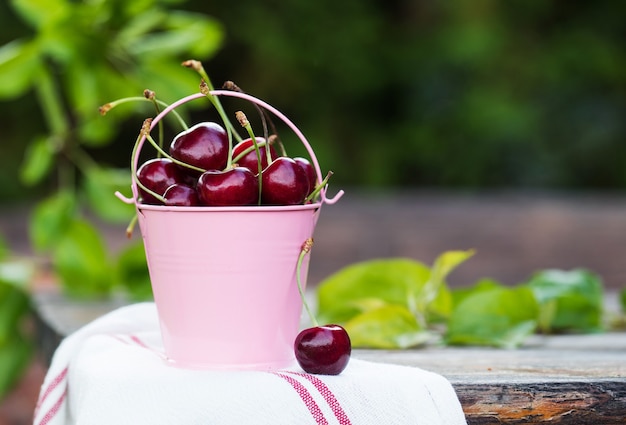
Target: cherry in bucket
point(205, 145)
point(157, 175)
point(181, 195)
point(284, 183)
point(244, 154)
point(323, 350)
point(233, 186)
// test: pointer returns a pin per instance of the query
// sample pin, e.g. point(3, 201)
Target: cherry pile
point(197, 172)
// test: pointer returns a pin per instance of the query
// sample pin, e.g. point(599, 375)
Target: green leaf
point(100, 187)
point(96, 132)
point(132, 271)
point(38, 161)
point(140, 24)
point(389, 280)
point(83, 89)
point(570, 300)
point(193, 33)
point(40, 13)
point(486, 284)
point(397, 281)
point(389, 326)
point(14, 357)
point(446, 262)
point(14, 305)
point(51, 219)
point(501, 317)
point(19, 65)
point(80, 259)
point(622, 299)
point(434, 295)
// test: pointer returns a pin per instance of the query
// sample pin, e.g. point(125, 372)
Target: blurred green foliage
point(462, 93)
point(467, 94)
point(481, 93)
point(15, 318)
point(69, 58)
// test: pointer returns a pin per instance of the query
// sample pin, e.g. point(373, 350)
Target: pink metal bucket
point(224, 282)
point(224, 278)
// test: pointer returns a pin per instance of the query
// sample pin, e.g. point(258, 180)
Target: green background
point(417, 94)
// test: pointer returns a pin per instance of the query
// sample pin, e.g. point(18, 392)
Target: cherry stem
point(246, 151)
point(151, 96)
point(243, 120)
point(145, 131)
point(108, 106)
point(306, 248)
point(318, 188)
point(229, 85)
point(275, 139)
point(205, 88)
point(131, 226)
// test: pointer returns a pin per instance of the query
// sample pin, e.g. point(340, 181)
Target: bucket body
point(224, 282)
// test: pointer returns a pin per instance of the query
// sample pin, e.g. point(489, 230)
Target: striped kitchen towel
point(113, 371)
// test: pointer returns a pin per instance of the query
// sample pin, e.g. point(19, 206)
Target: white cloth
point(112, 371)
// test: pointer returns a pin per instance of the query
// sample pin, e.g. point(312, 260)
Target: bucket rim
point(246, 208)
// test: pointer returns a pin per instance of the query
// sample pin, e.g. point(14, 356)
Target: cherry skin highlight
point(306, 165)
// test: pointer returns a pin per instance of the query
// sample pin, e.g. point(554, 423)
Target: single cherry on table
point(323, 350)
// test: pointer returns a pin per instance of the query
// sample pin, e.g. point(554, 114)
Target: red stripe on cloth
point(135, 340)
point(307, 398)
point(328, 395)
point(139, 342)
point(53, 384)
point(53, 410)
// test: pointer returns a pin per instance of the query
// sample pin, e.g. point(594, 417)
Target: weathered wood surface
point(558, 379)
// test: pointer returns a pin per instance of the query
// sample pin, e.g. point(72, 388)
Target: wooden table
point(556, 379)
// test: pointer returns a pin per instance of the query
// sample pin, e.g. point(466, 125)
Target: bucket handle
point(249, 98)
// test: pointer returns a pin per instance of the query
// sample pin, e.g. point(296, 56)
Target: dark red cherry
point(284, 182)
point(309, 170)
point(234, 186)
point(181, 195)
point(323, 350)
point(157, 175)
point(205, 145)
point(250, 160)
